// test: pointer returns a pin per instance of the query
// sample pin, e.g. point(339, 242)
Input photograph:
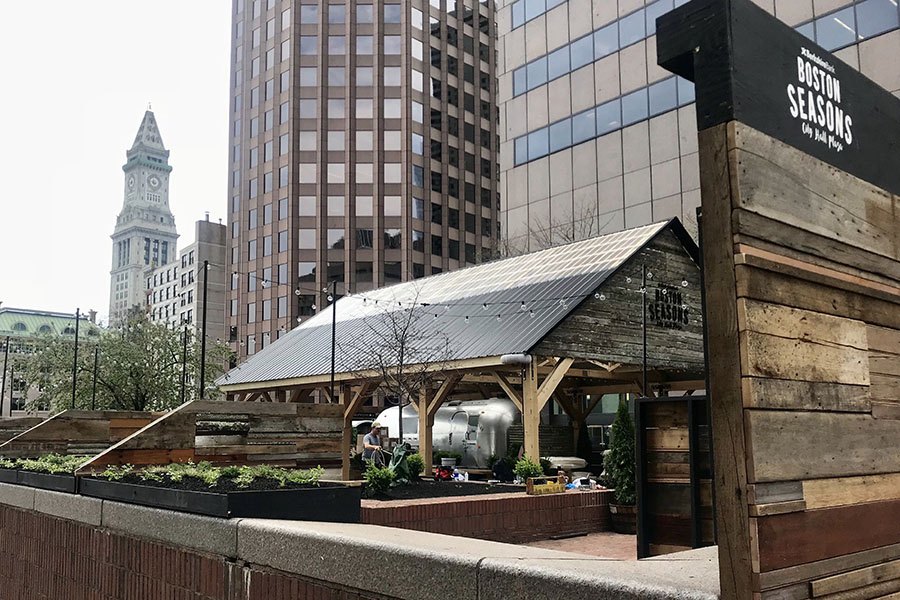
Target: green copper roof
point(20, 322)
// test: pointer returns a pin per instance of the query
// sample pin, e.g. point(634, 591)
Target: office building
point(595, 137)
point(363, 152)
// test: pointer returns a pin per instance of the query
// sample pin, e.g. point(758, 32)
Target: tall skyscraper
point(145, 229)
point(363, 151)
point(595, 137)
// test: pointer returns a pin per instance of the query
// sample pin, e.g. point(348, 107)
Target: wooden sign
point(751, 67)
point(800, 224)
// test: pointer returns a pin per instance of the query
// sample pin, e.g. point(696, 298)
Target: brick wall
point(47, 558)
point(497, 517)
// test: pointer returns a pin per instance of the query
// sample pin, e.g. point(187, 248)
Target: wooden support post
point(531, 411)
point(509, 390)
point(351, 403)
point(426, 425)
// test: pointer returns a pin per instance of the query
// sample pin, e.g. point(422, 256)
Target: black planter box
point(46, 481)
point(329, 502)
point(9, 476)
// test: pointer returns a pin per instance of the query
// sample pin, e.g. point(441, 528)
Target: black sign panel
point(749, 66)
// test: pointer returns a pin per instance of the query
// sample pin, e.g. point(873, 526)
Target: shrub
point(416, 464)
point(525, 468)
point(52, 463)
point(378, 479)
point(619, 462)
point(242, 476)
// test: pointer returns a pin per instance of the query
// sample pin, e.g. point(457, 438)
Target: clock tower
point(145, 235)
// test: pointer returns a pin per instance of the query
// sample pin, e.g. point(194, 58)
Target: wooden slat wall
point(803, 294)
point(667, 504)
point(76, 432)
point(286, 434)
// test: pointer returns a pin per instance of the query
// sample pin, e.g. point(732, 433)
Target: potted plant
point(619, 466)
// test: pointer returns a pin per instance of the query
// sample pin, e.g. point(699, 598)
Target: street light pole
point(203, 339)
point(333, 332)
point(184, 340)
point(94, 391)
point(3, 384)
point(644, 326)
point(75, 360)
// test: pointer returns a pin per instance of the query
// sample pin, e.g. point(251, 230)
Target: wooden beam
point(426, 425)
point(443, 393)
point(351, 402)
point(531, 413)
point(300, 394)
point(552, 381)
point(508, 389)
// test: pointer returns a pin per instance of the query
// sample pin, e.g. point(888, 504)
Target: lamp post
point(75, 360)
point(333, 331)
point(184, 340)
point(94, 390)
point(3, 384)
point(203, 338)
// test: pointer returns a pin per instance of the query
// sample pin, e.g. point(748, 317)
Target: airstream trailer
point(475, 429)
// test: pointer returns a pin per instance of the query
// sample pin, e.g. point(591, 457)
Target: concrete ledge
point(19, 496)
point(207, 534)
point(69, 506)
point(580, 578)
point(427, 566)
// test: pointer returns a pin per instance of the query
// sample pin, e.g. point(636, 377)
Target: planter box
point(624, 518)
point(9, 476)
point(333, 503)
point(46, 481)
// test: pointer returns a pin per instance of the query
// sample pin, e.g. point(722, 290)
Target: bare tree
point(403, 346)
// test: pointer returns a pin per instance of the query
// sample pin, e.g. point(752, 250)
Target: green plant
point(525, 468)
point(243, 476)
point(437, 455)
point(7, 463)
point(619, 462)
point(416, 464)
point(51, 463)
point(378, 479)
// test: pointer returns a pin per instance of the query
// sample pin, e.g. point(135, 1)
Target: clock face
point(131, 182)
point(154, 182)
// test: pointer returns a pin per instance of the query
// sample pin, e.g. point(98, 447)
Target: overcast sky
point(77, 77)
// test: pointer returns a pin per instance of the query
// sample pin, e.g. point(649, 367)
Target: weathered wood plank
point(823, 493)
point(856, 579)
point(787, 185)
point(768, 234)
point(830, 566)
point(790, 446)
point(884, 387)
point(781, 491)
point(798, 591)
point(791, 289)
point(883, 339)
point(778, 357)
point(776, 508)
point(732, 517)
point(789, 322)
point(266, 424)
point(876, 591)
point(668, 439)
point(786, 394)
point(886, 410)
point(805, 537)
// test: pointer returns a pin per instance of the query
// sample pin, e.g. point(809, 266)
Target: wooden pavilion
point(564, 324)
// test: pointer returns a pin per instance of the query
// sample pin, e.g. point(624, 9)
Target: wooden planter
point(9, 476)
point(46, 481)
point(328, 502)
point(624, 518)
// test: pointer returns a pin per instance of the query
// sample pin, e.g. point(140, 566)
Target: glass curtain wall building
point(364, 151)
point(595, 137)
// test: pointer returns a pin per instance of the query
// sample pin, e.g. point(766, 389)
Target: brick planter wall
point(511, 518)
point(43, 557)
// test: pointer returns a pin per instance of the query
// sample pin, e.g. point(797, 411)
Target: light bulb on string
point(596, 295)
point(314, 307)
point(684, 283)
point(628, 280)
point(330, 297)
point(297, 292)
point(649, 275)
point(498, 318)
point(643, 290)
point(484, 306)
point(664, 291)
point(603, 296)
point(684, 307)
point(447, 308)
point(531, 313)
point(522, 307)
point(467, 319)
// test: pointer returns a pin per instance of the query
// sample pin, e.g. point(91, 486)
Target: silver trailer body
point(476, 429)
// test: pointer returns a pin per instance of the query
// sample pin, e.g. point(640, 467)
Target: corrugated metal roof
point(456, 311)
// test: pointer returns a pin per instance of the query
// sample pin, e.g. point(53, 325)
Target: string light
point(498, 318)
point(684, 283)
point(523, 306)
point(467, 318)
point(484, 306)
point(628, 280)
point(330, 297)
point(531, 313)
point(649, 275)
